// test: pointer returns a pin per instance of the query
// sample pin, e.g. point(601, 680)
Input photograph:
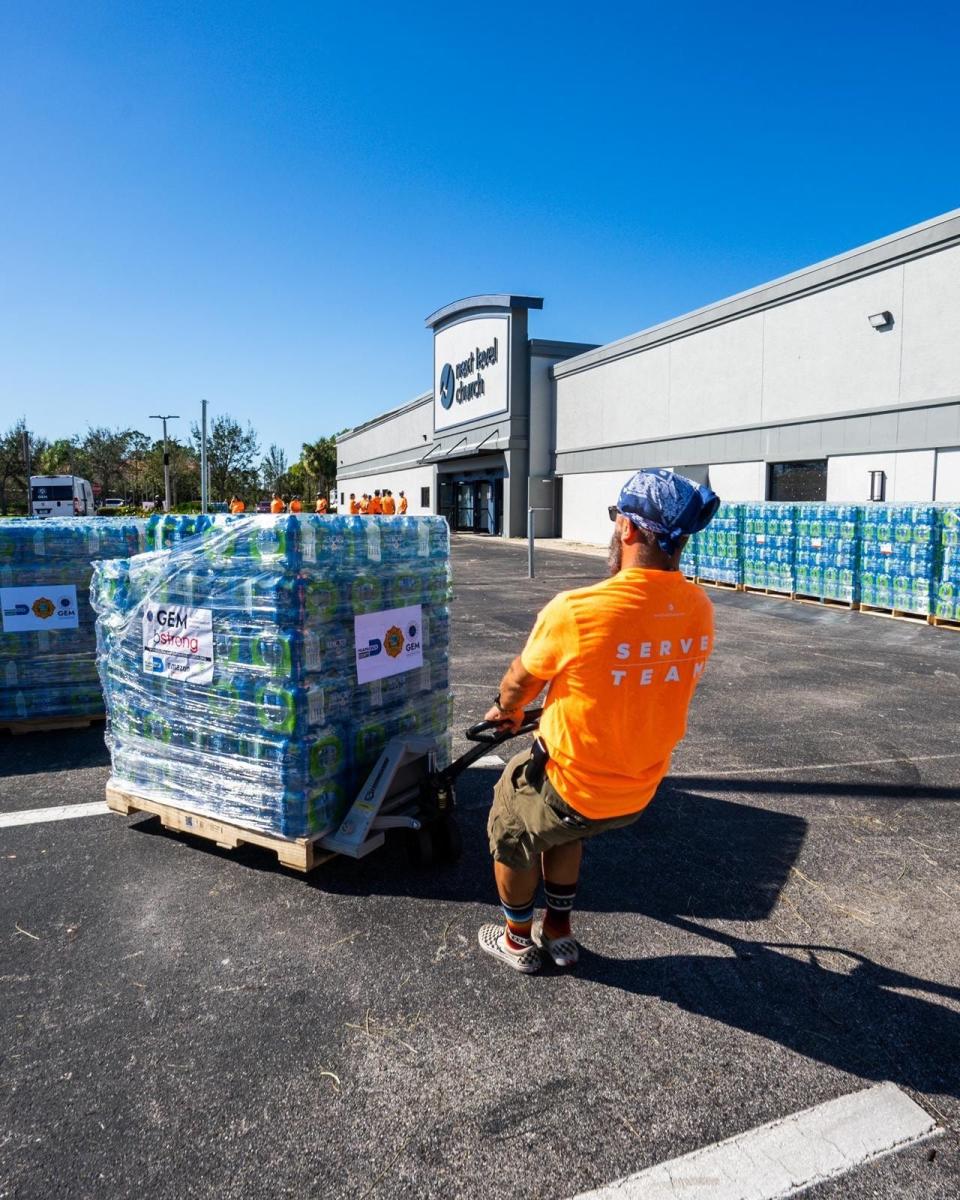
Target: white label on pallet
point(27, 609)
point(388, 643)
point(178, 642)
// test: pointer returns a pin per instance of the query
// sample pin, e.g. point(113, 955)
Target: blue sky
point(259, 203)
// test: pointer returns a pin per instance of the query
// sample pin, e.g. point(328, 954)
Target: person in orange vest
point(376, 504)
point(237, 505)
point(295, 505)
point(364, 505)
point(322, 504)
point(276, 504)
point(389, 504)
point(402, 504)
point(354, 505)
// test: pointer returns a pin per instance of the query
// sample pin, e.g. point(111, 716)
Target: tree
point(273, 470)
point(13, 477)
point(59, 458)
point(231, 456)
point(319, 460)
point(103, 454)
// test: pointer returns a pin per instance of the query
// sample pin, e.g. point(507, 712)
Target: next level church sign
point(471, 371)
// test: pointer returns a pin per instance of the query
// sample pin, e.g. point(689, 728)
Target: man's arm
point(517, 689)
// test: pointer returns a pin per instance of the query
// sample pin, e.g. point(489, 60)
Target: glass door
point(486, 511)
point(465, 505)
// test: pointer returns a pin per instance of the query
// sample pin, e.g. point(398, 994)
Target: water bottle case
point(52, 672)
point(275, 731)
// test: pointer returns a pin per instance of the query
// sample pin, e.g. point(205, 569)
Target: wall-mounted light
point(881, 320)
point(878, 485)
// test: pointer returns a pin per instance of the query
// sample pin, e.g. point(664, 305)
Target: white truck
point(61, 496)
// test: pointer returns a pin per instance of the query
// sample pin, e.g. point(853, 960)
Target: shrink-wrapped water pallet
point(827, 554)
point(255, 668)
point(48, 660)
point(715, 551)
point(769, 538)
point(898, 557)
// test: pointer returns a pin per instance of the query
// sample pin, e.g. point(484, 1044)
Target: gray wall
point(790, 370)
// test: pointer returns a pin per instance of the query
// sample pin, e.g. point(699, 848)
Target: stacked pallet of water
point(48, 661)
point(716, 549)
point(827, 557)
point(254, 671)
point(898, 557)
point(946, 602)
point(769, 542)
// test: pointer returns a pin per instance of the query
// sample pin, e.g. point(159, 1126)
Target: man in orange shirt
point(376, 504)
point(389, 504)
point(237, 505)
point(622, 659)
point(364, 505)
point(276, 504)
point(295, 505)
point(402, 505)
point(354, 504)
point(322, 504)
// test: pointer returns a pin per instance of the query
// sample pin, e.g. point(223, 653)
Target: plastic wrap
point(281, 734)
point(716, 549)
point(48, 661)
point(898, 556)
point(947, 577)
point(827, 562)
point(769, 544)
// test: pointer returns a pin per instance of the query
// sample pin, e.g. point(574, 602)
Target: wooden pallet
point(300, 854)
point(719, 583)
point(50, 724)
point(895, 614)
point(826, 601)
point(945, 623)
point(762, 591)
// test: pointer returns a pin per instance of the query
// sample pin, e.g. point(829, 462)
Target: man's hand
point(518, 688)
point(513, 717)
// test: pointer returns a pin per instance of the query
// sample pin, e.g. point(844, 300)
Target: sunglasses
point(613, 512)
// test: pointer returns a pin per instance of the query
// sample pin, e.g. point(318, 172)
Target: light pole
point(166, 456)
point(204, 481)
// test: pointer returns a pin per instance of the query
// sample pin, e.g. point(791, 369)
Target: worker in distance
point(621, 659)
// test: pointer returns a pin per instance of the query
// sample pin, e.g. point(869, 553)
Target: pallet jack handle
point(487, 734)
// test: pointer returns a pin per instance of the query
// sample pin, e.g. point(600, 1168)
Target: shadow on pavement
point(829, 1004)
point(60, 750)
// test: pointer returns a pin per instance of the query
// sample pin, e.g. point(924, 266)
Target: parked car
point(113, 502)
point(263, 506)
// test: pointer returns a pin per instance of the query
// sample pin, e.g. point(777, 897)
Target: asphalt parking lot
point(778, 930)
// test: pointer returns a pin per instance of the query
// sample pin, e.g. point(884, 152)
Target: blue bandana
point(667, 504)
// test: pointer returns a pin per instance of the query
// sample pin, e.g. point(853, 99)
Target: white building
point(839, 382)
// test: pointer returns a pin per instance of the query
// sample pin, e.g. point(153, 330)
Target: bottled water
point(48, 652)
point(278, 734)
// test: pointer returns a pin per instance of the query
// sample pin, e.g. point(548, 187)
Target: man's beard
point(615, 554)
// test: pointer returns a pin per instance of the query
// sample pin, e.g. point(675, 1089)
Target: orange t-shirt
point(389, 506)
point(237, 506)
point(276, 506)
point(296, 506)
point(623, 658)
point(364, 507)
point(322, 505)
point(376, 505)
point(403, 505)
point(354, 508)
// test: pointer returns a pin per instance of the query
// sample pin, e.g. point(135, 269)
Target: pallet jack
point(406, 790)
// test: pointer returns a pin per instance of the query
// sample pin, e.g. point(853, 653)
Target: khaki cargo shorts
point(526, 820)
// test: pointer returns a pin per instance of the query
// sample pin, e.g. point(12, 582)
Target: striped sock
point(560, 897)
point(519, 922)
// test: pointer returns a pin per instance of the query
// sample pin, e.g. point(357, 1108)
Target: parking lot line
point(62, 812)
point(831, 766)
point(786, 1156)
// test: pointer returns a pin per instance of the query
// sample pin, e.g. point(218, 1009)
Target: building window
point(341, 500)
point(798, 481)
point(425, 497)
